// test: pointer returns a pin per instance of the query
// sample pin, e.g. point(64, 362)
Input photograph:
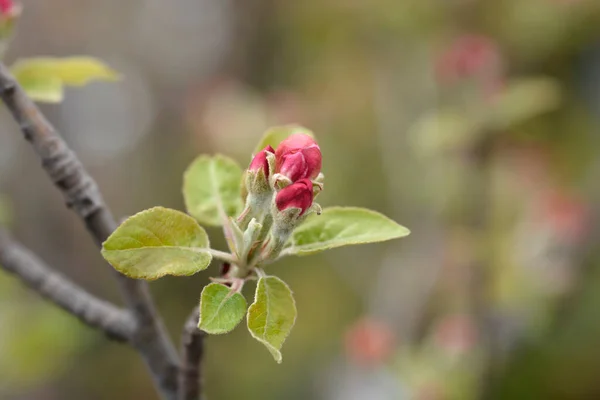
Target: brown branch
point(83, 197)
point(115, 323)
point(192, 351)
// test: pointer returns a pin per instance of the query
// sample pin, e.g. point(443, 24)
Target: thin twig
point(192, 349)
point(115, 323)
point(83, 197)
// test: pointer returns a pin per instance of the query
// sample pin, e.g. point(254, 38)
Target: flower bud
point(6, 6)
point(9, 9)
point(257, 176)
point(289, 210)
point(9, 13)
point(297, 195)
point(298, 157)
point(256, 189)
point(260, 161)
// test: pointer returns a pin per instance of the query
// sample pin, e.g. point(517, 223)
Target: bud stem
point(221, 255)
point(256, 207)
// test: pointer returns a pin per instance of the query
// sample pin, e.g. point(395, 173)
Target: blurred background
point(474, 123)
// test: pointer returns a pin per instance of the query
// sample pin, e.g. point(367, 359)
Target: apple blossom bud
point(291, 207)
point(298, 195)
point(298, 157)
point(9, 13)
point(294, 167)
point(256, 189)
point(260, 161)
point(6, 7)
point(9, 10)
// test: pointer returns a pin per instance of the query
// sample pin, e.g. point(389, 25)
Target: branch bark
point(117, 324)
point(83, 197)
point(192, 352)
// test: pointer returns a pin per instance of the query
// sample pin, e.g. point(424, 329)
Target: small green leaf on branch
point(272, 315)
point(44, 78)
point(158, 242)
point(211, 189)
point(342, 226)
point(221, 309)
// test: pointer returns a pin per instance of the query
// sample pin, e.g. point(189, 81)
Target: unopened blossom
point(298, 157)
point(9, 9)
point(298, 195)
point(260, 161)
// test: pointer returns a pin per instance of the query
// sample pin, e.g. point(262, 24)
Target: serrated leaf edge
point(289, 248)
point(276, 353)
point(229, 295)
point(104, 251)
point(223, 217)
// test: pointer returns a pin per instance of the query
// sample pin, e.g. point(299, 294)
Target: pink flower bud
point(298, 157)
point(370, 342)
point(299, 194)
point(260, 161)
point(294, 166)
point(6, 7)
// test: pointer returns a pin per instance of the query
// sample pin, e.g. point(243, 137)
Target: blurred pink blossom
point(472, 57)
point(369, 341)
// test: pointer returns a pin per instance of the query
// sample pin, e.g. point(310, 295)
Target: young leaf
point(158, 242)
point(44, 78)
point(45, 89)
point(220, 309)
point(277, 134)
point(234, 237)
point(272, 315)
point(211, 189)
point(342, 226)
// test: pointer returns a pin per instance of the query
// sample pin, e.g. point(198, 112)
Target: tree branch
point(192, 351)
point(117, 324)
point(83, 197)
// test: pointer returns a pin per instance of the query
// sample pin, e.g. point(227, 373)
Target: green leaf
point(342, 226)
point(277, 134)
point(220, 309)
point(272, 315)
point(158, 242)
point(45, 89)
point(211, 189)
point(44, 78)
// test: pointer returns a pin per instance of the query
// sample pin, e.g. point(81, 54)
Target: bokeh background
point(474, 123)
